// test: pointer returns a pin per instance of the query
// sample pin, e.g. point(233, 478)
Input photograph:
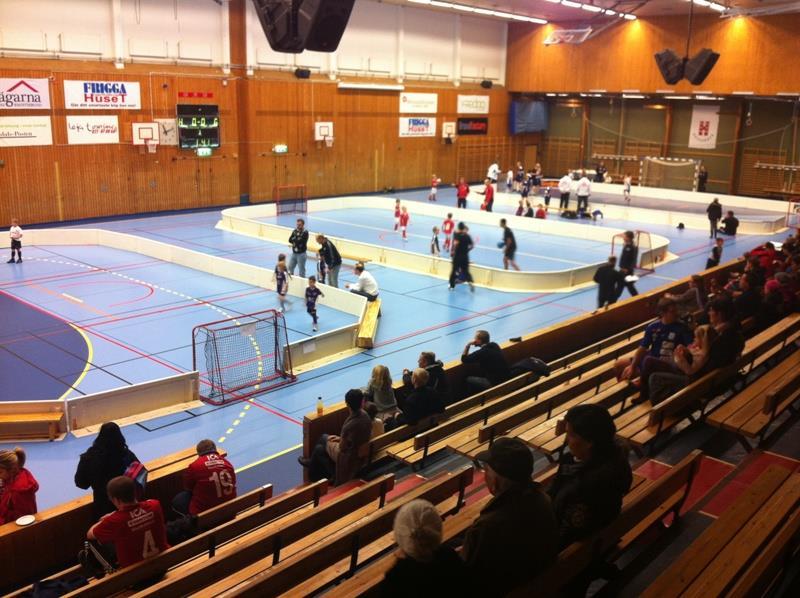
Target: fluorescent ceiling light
point(370, 86)
point(420, 1)
point(442, 4)
point(591, 8)
point(631, 17)
point(484, 11)
point(563, 95)
point(706, 98)
point(630, 91)
point(538, 21)
point(610, 12)
point(788, 93)
point(702, 2)
point(665, 91)
point(633, 96)
point(597, 91)
point(717, 7)
point(743, 93)
point(550, 95)
point(571, 4)
point(464, 8)
point(554, 1)
point(677, 97)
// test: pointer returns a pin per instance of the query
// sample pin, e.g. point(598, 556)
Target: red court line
point(150, 289)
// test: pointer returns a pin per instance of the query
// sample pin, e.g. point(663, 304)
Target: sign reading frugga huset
point(102, 95)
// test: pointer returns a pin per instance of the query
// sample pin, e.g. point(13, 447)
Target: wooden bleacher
point(30, 426)
point(369, 325)
point(743, 552)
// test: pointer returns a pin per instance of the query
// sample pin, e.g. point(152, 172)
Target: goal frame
point(669, 162)
point(290, 198)
point(646, 260)
point(793, 214)
point(245, 391)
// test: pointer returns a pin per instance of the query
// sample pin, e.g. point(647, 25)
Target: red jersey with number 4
point(447, 226)
point(137, 532)
point(211, 480)
point(404, 219)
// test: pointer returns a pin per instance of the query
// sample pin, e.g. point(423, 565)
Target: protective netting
point(669, 174)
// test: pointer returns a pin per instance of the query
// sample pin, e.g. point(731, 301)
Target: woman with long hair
point(17, 486)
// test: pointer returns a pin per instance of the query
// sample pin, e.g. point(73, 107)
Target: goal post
point(647, 258)
point(669, 173)
point(290, 199)
point(793, 214)
point(241, 356)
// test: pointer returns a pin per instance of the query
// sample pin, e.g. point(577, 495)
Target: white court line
point(485, 247)
point(71, 298)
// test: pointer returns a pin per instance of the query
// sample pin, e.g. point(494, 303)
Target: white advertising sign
point(418, 103)
point(705, 127)
point(24, 94)
point(417, 126)
point(25, 130)
point(102, 95)
point(473, 104)
point(85, 130)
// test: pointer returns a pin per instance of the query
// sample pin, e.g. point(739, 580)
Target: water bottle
point(320, 407)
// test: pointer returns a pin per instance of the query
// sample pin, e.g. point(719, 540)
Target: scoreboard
point(198, 125)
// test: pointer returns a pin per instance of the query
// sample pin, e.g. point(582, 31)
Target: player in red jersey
point(488, 192)
point(136, 529)
point(447, 228)
point(396, 214)
point(462, 191)
point(434, 186)
point(404, 217)
point(210, 480)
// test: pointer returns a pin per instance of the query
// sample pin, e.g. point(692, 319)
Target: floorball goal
point(669, 173)
point(646, 260)
point(290, 199)
point(242, 356)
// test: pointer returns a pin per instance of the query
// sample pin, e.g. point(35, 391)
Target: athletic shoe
point(451, 288)
point(314, 328)
point(471, 288)
point(19, 260)
point(11, 261)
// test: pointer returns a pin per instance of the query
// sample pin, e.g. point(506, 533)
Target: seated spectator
point(420, 403)
point(773, 308)
point(490, 360)
point(730, 224)
point(379, 391)
point(692, 299)
point(377, 424)
point(747, 300)
point(766, 255)
point(107, 458)
point(210, 480)
point(425, 567)
point(541, 213)
point(437, 379)
point(136, 529)
point(18, 487)
point(336, 457)
point(592, 478)
point(515, 537)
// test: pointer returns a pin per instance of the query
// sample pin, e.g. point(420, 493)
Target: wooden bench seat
point(740, 553)
point(369, 325)
point(30, 426)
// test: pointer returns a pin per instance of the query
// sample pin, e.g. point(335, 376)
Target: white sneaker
point(314, 328)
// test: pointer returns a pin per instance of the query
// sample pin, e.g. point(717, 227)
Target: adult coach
point(564, 188)
point(714, 211)
point(462, 191)
point(299, 242)
point(627, 264)
point(583, 191)
point(462, 245)
point(609, 281)
point(509, 246)
point(330, 258)
point(366, 285)
point(702, 179)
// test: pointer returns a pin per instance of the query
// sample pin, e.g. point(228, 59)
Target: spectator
point(714, 212)
point(18, 487)
point(766, 255)
point(515, 536)
point(107, 458)
point(692, 299)
point(490, 360)
point(564, 189)
point(702, 179)
point(437, 379)
point(366, 285)
point(420, 403)
point(541, 213)
point(299, 242)
point(425, 567)
point(608, 280)
point(379, 392)
point(330, 258)
point(136, 529)
point(336, 457)
point(210, 480)
point(773, 306)
point(716, 254)
point(628, 258)
point(730, 224)
point(377, 424)
point(747, 300)
point(592, 478)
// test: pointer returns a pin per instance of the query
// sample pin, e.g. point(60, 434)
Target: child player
point(396, 214)
point(626, 187)
point(404, 216)
point(435, 242)
point(312, 294)
point(15, 232)
point(434, 185)
point(281, 277)
point(447, 228)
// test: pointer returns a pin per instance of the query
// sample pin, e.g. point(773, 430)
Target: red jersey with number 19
point(211, 480)
point(137, 532)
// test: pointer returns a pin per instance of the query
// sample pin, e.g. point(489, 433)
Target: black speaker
point(302, 73)
point(486, 84)
point(670, 65)
point(699, 66)
point(297, 25)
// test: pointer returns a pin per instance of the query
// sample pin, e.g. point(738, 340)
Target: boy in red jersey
point(396, 214)
point(208, 481)
point(488, 193)
point(447, 228)
point(136, 529)
point(462, 191)
point(404, 217)
point(434, 186)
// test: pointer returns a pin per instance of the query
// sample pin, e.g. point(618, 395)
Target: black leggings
point(459, 264)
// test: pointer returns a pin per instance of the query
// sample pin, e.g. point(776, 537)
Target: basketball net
point(328, 141)
point(151, 146)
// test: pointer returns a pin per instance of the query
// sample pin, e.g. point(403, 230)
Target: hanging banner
point(473, 104)
point(25, 130)
point(417, 126)
point(418, 103)
point(705, 127)
point(85, 130)
point(24, 94)
point(102, 95)
point(473, 126)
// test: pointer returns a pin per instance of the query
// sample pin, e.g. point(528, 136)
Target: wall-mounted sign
point(204, 152)
point(25, 130)
point(418, 103)
point(473, 104)
point(196, 94)
point(417, 126)
point(705, 126)
point(280, 148)
point(473, 126)
point(102, 95)
point(24, 94)
point(84, 130)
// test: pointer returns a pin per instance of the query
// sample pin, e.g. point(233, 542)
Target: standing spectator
point(716, 254)
point(331, 259)
point(564, 188)
point(437, 379)
point(107, 458)
point(491, 362)
point(608, 280)
point(379, 391)
point(600, 173)
point(210, 480)
point(365, 285)
point(135, 528)
point(488, 193)
point(714, 211)
point(628, 258)
point(584, 189)
point(462, 191)
point(509, 246)
point(18, 487)
point(420, 403)
point(424, 567)
point(299, 242)
point(537, 178)
point(702, 179)
point(515, 537)
point(592, 478)
point(336, 457)
point(730, 224)
point(462, 245)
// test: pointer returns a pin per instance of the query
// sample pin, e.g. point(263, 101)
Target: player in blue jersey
point(312, 294)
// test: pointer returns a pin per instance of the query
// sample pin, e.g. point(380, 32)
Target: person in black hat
point(515, 536)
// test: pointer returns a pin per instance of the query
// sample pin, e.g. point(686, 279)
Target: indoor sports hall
point(551, 343)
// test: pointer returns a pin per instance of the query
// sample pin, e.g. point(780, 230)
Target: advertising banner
point(473, 104)
point(705, 127)
point(102, 95)
point(417, 126)
point(25, 130)
point(86, 130)
point(24, 94)
point(418, 103)
point(473, 126)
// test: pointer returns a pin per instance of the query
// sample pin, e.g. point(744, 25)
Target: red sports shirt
point(462, 191)
point(489, 194)
point(434, 183)
point(137, 531)
point(447, 226)
point(404, 219)
point(211, 480)
point(397, 212)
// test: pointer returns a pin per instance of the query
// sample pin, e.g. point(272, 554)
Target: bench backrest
point(789, 385)
point(229, 509)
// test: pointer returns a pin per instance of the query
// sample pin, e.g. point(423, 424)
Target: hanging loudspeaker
point(699, 66)
point(302, 73)
point(486, 84)
point(297, 25)
point(670, 65)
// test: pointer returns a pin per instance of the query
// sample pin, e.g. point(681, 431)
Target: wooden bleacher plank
point(369, 325)
point(761, 421)
point(51, 418)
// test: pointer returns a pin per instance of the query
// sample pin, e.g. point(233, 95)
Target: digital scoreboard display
point(198, 125)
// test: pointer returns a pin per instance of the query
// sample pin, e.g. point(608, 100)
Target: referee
point(509, 246)
point(462, 245)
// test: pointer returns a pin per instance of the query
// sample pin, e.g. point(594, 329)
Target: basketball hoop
point(328, 141)
point(151, 145)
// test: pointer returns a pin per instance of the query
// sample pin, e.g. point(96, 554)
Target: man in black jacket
point(421, 402)
point(437, 379)
point(299, 242)
point(730, 224)
point(714, 211)
point(490, 361)
point(330, 260)
point(627, 265)
point(608, 280)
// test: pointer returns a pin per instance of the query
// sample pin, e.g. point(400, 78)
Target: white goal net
point(669, 173)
